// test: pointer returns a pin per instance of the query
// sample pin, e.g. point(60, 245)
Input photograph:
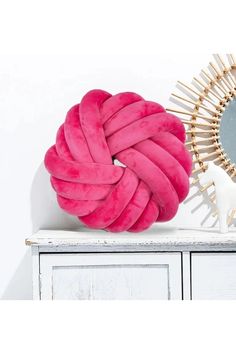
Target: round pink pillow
point(119, 162)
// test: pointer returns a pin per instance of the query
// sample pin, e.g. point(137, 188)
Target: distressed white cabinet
point(110, 276)
point(214, 276)
point(159, 264)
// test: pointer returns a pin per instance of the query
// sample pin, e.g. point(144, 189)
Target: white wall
point(51, 54)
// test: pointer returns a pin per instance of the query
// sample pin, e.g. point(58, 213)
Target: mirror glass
point(228, 130)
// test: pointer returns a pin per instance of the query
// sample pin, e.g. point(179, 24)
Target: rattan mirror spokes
point(208, 109)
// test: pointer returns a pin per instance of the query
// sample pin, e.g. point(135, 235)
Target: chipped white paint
point(157, 264)
point(36, 272)
point(110, 276)
point(158, 239)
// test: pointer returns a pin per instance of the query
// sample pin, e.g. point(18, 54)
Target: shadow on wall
point(45, 214)
point(20, 285)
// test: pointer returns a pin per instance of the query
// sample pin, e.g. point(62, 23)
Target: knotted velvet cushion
point(151, 179)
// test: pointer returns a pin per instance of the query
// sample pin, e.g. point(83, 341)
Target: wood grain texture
point(36, 272)
point(155, 239)
point(157, 264)
point(120, 276)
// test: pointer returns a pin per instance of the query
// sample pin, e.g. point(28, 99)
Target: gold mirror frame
point(204, 102)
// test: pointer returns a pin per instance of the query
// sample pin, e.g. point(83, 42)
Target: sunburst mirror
point(207, 107)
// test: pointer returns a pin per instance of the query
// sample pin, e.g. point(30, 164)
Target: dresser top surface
point(155, 236)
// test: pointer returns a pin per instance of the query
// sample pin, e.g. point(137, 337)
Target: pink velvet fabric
point(149, 142)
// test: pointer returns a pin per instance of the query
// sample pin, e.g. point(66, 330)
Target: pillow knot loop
point(119, 162)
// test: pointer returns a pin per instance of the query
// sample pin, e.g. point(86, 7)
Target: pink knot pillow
point(150, 182)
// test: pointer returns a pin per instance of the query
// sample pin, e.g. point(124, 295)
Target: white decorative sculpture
point(225, 190)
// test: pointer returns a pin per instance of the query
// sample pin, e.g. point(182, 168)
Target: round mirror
point(227, 133)
point(208, 109)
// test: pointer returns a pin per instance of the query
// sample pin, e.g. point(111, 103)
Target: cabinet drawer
point(213, 276)
point(110, 276)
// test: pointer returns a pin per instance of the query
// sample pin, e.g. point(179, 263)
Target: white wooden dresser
point(161, 263)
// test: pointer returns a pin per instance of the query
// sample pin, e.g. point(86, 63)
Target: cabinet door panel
point(111, 276)
point(214, 276)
